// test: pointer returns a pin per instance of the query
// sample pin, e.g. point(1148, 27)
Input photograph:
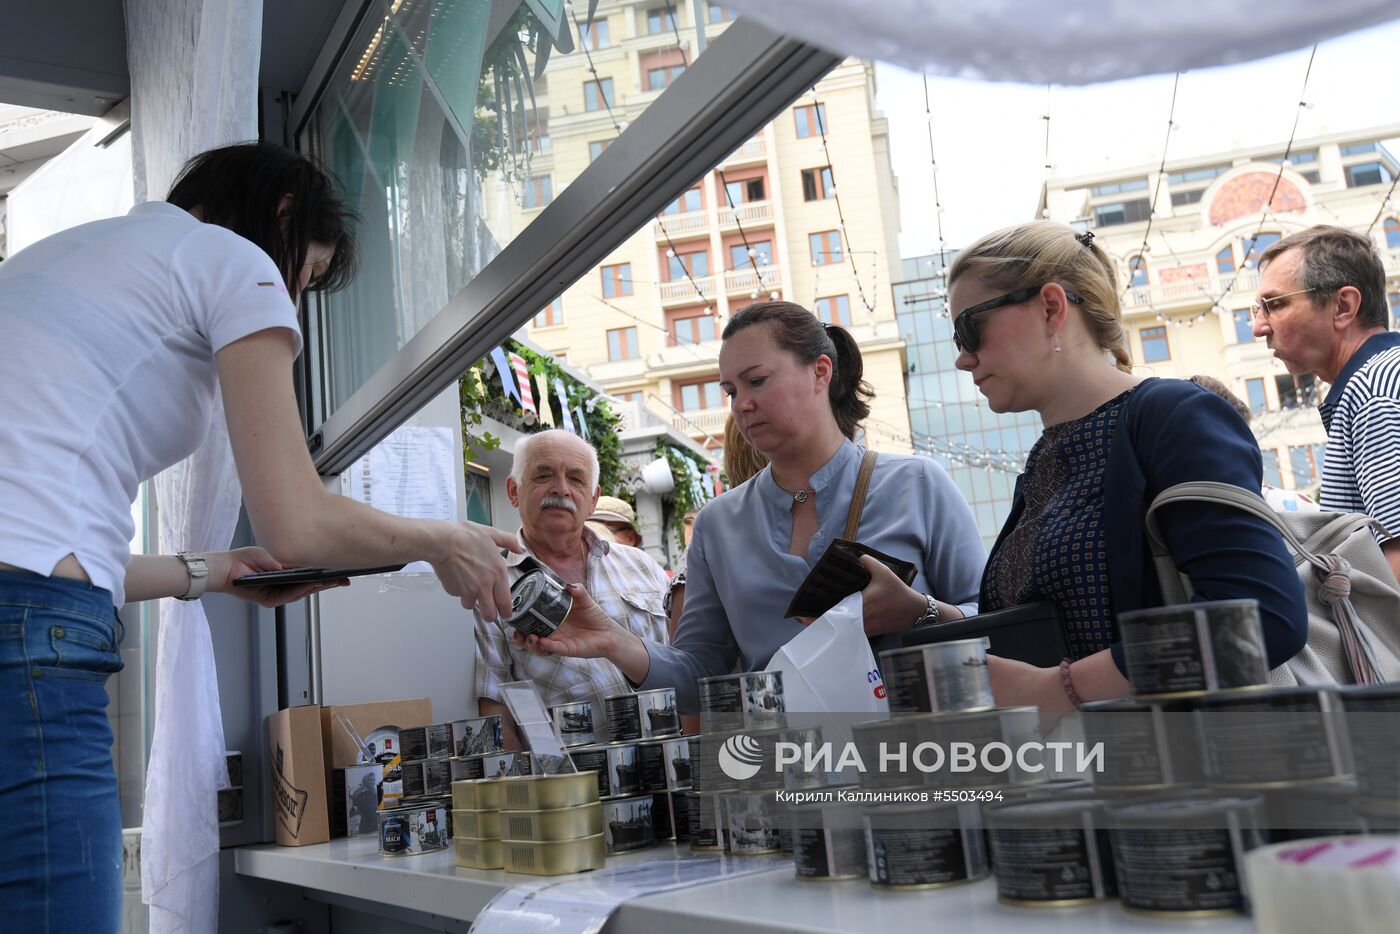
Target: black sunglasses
point(965, 334)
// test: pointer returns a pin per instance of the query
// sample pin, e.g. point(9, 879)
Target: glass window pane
point(1272, 475)
point(1244, 326)
point(1258, 401)
point(690, 398)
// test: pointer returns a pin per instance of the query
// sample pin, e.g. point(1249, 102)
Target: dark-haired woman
point(119, 338)
point(796, 391)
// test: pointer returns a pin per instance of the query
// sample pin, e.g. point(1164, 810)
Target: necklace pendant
point(800, 496)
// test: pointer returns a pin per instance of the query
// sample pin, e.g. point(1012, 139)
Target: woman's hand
point(227, 566)
point(471, 568)
point(587, 632)
point(888, 604)
point(1017, 684)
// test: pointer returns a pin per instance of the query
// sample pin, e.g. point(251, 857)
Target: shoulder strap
point(867, 467)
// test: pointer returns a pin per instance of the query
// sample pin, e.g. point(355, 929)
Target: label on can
point(1166, 869)
point(651, 760)
point(628, 824)
point(677, 762)
point(574, 722)
point(823, 852)
point(657, 712)
point(624, 721)
point(394, 833)
point(914, 856)
point(940, 677)
point(1052, 865)
point(413, 743)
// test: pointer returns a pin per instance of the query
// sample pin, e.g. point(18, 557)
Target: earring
point(1055, 339)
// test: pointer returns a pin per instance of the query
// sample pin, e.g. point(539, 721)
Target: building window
point(693, 328)
point(1244, 326)
point(594, 35)
point(662, 19)
point(539, 191)
point(598, 94)
point(1195, 175)
point(1137, 270)
point(1154, 345)
point(695, 263)
point(1367, 173)
point(617, 280)
point(1306, 460)
point(817, 184)
point(743, 192)
point(1254, 389)
point(538, 122)
point(826, 247)
point(1295, 158)
point(1225, 260)
point(835, 309)
point(1180, 198)
point(1254, 247)
point(762, 254)
point(622, 344)
point(1313, 175)
point(810, 120)
point(595, 148)
point(1296, 392)
point(1357, 149)
point(1122, 212)
point(661, 78)
point(1136, 184)
point(719, 14)
point(1392, 234)
point(692, 200)
point(693, 397)
point(551, 315)
point(1394, 299)
point(627, 396)
point(1272, 475)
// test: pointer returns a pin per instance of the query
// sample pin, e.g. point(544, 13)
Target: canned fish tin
point(574, 722)
point(506, 764)
point(476, 737)
point(924, 846)
point(1373, 724)
point(439, 740)
point(479, 824)
point(539, 603)
point(1147, 746)
point(708, 829)
point(937, 678)
point(828, 840)
point(1187, 650)
point(430, 778)
point(651, 765)
point(230, 806)
point(628, 824)
point(413, 743)
point(677, 762)
point(753, 824)
point(1183, 856)
point(541, 792)
point(617, 768)
point(755, 750)
point(409, 831)
point(570, 823)
point(466, 768)
point(554, 858)
point(1051, 852)
point(928, 750)
point(637, 715)
point(483, 794)
point(474, 853)
point(1312, 811)
point(1278, 738)
point(751, 700)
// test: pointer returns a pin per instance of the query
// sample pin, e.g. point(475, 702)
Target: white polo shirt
point(108, 333)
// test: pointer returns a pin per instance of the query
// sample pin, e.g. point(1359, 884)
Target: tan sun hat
point(612, 509)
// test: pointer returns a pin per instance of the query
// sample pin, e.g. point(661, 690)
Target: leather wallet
point(838, 574)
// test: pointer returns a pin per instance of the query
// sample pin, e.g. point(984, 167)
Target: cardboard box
point(298, 776)
point(342, 751)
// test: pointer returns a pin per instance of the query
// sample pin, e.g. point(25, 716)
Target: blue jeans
point(61, 865)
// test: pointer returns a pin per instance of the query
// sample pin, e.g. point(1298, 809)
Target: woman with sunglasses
point(1038, 328)
point(797, 395)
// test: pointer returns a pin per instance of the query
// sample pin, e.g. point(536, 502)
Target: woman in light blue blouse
point(796, 390)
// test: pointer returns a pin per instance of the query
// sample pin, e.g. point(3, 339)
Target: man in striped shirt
point(1322, 309)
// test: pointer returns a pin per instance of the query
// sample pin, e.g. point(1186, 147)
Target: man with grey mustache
point(554, 486)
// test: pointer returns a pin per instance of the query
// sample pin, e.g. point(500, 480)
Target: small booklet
point(838, 574)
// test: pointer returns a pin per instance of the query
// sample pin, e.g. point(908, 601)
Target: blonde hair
point(741, 461)
point(1038, 252)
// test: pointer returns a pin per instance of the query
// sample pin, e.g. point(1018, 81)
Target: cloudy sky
point(989, 139)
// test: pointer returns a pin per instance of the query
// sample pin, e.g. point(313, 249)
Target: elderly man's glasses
point(965, 334)
point(1267, 306)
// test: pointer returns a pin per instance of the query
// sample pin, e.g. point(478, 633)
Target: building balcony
point(682, 291)
point(750, 214)
point(744, 279)
point(1190, 293)
point(680, 225)
point(754, 150)
point(701, 421)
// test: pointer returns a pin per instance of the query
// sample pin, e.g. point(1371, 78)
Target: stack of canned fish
point(537, 824)
point(732, 808)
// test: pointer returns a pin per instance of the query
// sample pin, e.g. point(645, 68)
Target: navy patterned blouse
point(1057, 552)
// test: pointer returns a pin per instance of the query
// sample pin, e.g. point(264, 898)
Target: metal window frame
point(745, 78)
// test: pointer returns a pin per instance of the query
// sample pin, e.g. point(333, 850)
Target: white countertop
point(762, 903)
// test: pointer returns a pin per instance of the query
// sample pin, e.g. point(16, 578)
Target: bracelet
point(1068, 682)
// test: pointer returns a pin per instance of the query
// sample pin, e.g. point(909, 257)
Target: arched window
point(1254, 247)
point(1392, 234)
point(1137, 271)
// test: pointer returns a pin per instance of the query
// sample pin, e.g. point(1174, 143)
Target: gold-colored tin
point(482, 824)
point(554, 857)
point(542, 792)
point(474, 853)
point(477, 794)
point(584, 820)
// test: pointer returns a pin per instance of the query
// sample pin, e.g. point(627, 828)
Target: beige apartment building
point(1189, 280)
point(764, 223)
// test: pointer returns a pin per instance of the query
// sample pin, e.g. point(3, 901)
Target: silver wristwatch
point(930, 616)
point(198, 569)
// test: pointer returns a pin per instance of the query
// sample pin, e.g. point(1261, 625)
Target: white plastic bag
point(829, 668)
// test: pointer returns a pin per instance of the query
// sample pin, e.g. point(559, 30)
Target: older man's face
point(556, 493)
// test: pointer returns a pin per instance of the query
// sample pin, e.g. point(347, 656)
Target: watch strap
point(930, 616)
point(198, 569)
